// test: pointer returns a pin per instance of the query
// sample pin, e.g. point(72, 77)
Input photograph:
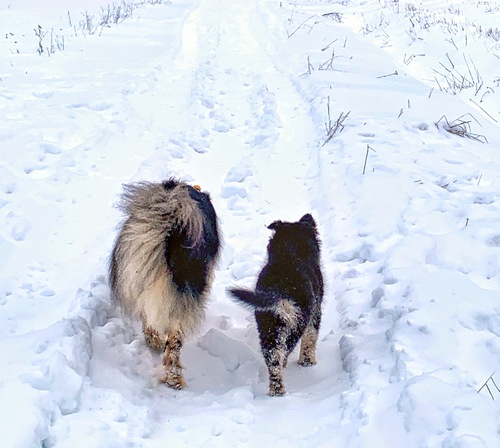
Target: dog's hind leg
point(275, 360)
point(309, 341)
point(172, 363)
point(307, 355)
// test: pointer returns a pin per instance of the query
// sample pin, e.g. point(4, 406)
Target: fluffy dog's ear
point(308, 219)
point(275, 225)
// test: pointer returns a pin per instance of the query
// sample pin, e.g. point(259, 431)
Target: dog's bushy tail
point(260, 300)
point(163, 241)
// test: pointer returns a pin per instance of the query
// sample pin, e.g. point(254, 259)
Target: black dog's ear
point(308, 219)
point(274, 225)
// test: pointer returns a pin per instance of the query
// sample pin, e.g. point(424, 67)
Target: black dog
point(287, 298)
point(162, 264)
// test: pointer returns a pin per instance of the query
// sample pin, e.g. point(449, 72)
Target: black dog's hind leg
point(307, 355)
point(275, 360)
point(273, 335)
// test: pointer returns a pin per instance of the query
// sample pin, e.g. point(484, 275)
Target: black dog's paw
point(306, 362)
point(276, 392)
point(276, 388)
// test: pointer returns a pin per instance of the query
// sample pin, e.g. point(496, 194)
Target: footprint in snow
point(362, 254)
point(8, 188)
point(43, 95)
point(97, 107)
point(50, 148)
point(229, 190)
point(493, 241)
point(209, 103)
point(20, 229)
point(221, 127)
point(201, 147)
point(239, 173)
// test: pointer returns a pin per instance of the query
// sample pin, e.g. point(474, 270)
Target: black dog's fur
point(162, 264)
point(188, 262)
point(287, 298)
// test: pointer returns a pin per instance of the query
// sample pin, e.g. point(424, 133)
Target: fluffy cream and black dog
point(287, 298)
point(162, 264)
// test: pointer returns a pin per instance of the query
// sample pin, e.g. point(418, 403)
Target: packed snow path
point(233, 122)
point(232, 95)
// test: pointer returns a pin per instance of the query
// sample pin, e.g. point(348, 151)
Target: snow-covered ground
point(338, 108)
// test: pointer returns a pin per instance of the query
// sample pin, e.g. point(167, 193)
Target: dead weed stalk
point(334, 127)
point(461, 127)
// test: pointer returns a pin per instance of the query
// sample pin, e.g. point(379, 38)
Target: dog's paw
point(153, 340)
point(176, 382)
point(307, 358)
point(276, 393)
point(276, 390)
point(306, 362)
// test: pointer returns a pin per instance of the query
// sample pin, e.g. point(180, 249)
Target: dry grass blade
point(458, 81)
point(334, 127)
point(328, 65)
point(484, 110)
point(335, 16)
point(489, 384)
point(301, 26)
point(368, 149)
point(461, 127)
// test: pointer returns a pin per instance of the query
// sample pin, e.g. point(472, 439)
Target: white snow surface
point(239, 97)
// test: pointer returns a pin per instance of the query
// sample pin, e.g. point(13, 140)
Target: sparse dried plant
point(40, 34)
point(335, 16)
point(334, 127)
point(90, 24)
point(328, 64)
point(461, 127)
point(453, 81)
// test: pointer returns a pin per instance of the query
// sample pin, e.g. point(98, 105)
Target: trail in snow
point(234, 123)
point(242, 108)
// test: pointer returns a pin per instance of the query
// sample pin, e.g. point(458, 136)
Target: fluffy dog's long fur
point(287, 298)
point(162, 264)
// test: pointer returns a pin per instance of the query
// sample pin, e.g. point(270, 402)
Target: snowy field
point(380, 117)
